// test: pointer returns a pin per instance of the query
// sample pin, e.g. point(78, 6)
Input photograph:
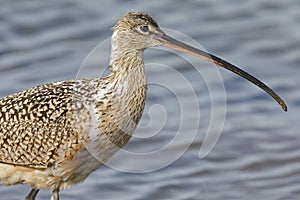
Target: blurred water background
point(258, 153)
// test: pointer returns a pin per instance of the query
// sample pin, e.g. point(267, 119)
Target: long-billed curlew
point(51, 135)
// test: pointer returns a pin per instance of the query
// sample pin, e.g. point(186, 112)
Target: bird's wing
point(42, 125)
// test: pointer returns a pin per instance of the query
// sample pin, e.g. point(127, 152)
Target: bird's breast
point(116, 114)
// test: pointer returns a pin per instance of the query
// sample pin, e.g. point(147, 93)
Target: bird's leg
point(55, 194)
point(32, 194)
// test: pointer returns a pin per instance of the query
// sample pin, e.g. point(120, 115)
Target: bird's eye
point(144, 29)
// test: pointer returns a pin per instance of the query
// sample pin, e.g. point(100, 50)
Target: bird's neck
point(129, 78)
point(123, 57)
point(128, 70)
point(123, 61)
point(122, 98)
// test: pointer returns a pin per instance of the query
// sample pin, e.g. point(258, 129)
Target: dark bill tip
point(172, 43)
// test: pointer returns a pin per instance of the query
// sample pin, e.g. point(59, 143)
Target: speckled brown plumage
point(40, 126)
point(46, 124)
point(55, 135)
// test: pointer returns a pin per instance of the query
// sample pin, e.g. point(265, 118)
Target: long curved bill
point(167, 41)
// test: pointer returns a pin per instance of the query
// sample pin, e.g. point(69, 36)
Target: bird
point(55, 135)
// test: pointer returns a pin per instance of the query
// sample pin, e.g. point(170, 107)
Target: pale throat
point(127, 69)
point(123, 56)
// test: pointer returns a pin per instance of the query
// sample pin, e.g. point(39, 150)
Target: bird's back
point(55, 135)
point(41, 126)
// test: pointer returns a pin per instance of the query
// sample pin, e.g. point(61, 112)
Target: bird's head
point(137, 31)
